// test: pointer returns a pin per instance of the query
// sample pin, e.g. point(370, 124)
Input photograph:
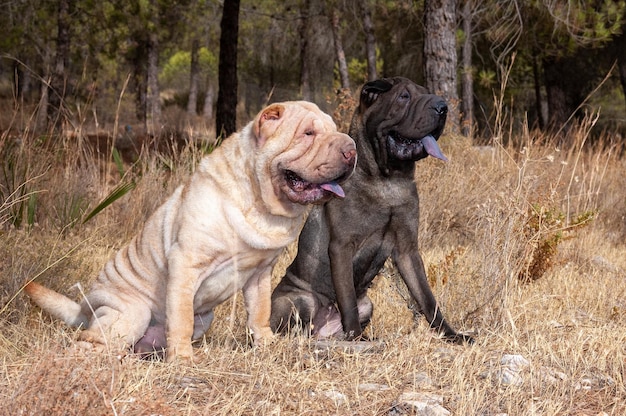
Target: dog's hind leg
point(201, 324)
point(293, 310)
point(327, 321)
point(117, 329)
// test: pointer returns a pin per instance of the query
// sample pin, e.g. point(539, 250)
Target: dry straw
point(487, 217)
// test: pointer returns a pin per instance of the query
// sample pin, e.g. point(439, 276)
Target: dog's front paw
point(90, 345)
point(183, 359)
point(180, 353)
point(262, 336)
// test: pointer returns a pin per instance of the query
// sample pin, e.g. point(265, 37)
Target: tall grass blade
point(116, 194)
point(119, 163)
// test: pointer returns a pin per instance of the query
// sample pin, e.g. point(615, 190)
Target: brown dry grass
point(486, 216)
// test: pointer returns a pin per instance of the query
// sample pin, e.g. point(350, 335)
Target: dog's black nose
point(441, 107)
point(349, 156)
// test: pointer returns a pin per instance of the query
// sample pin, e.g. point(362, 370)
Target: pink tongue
point(432, 148)
point(335, 188)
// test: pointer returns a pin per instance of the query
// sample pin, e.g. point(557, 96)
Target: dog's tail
point(57, 305)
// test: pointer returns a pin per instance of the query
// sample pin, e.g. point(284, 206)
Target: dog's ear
point(267, 122)
point(372, 89)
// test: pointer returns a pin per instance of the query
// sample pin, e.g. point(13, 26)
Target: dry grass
point(486, 217)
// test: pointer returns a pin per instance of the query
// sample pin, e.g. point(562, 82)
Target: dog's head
point(401, 122)
point(303, 154)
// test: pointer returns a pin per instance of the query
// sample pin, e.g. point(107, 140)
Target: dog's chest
point(230, 275)
point(387, 192)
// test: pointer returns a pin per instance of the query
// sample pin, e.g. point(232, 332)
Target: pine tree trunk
point(440, 57)
point(370, 41)
point(620, 42)
point(622, 74)
point(22, 80)
point(467, 79)
point(41, 121)
point(559, 104)
point(194, 75)
point(339, 53)
point(305, 72)
point(209, 98)
point(139, 64)
point(226, 113)
point(538, 100)
point(153, 103)
point(58, 80)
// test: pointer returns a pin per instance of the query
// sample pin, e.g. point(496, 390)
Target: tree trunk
point(41, 121)
point(538, 100)
point(370, 41)
point(440, 54)
point(620, 42)
point(207, 110)
point(194, 75)
point(467, 79)
point(58, 79)
point(139, 78)
point(22, 80)
point(226, 114)
point(622, 74)
point(153, 102)
point(305, 72)
point(341, 56)
point(559, 103)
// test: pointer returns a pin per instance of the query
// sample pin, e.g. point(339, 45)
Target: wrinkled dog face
point(406, 124)
point(308, 158)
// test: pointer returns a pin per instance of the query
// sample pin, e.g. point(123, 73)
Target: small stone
point(444, 354)
point(336, 396)
point(512, 365)
point(595, 383)
point(509, 377)
point(349, 347)
point(422, 381)
point(603, 263)
point(373, 387)
point(514, 362)
point(422, 404)
point(552, 376)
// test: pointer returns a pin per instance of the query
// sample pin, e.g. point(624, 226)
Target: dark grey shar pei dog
point(344, 244)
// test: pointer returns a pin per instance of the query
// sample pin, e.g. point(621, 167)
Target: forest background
point(74, 59)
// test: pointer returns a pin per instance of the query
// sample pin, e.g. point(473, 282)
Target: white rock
point(373, 387)
point(603, 263)
point(514, 362)
point(509, 377)
point(336, 396)
point(421, 404)
point(512, 365)
point(595, 383)
point(422, 381)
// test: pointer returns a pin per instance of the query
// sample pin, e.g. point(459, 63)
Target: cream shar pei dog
point(221, 231)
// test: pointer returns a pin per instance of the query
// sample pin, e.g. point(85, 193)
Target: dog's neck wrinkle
point(370, 164)
point(259, 219)
point(223, 175)
point(260, 231)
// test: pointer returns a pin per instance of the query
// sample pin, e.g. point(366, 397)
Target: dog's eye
point(405, 96)
point(309, 133)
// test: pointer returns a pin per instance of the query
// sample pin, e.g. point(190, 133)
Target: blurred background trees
point(538, 64)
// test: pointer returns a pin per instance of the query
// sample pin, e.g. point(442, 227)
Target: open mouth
point(303, 191)
point(404, 148)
